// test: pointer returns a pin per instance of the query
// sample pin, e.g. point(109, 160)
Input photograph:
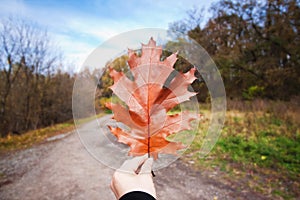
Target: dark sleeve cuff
point(137, 195)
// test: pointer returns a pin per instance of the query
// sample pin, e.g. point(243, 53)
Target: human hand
point(134, 175)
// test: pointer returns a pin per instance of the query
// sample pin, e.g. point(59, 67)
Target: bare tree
point(26, 55)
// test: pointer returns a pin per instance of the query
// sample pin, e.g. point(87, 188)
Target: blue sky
point(78, 26)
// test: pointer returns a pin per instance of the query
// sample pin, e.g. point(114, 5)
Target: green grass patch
point(280, 152)
point(257, 150)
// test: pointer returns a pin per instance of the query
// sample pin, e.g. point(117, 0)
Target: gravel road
point(63, 169)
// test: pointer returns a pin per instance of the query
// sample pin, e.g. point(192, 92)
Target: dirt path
point(63, 169)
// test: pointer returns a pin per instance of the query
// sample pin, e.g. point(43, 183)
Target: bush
point(253, 92)
point(102, 101)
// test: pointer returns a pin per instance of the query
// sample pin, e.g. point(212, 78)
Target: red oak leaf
point(148, 102)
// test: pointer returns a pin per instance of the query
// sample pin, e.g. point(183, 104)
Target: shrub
point(253, 92)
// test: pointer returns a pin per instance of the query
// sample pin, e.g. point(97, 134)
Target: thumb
point(147, 166)
point(132, 165)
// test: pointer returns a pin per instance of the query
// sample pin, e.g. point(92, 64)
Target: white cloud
point(80, 30)
point(74, 51)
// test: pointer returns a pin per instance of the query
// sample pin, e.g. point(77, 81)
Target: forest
point(255, 44)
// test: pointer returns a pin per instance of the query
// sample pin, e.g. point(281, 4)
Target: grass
point(88, 119)
point(258, 149)
point(30, 138)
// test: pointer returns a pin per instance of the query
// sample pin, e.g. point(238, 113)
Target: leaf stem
point(148, 121)
point(148, 135)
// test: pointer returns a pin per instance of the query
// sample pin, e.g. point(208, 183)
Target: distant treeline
point(33, 92)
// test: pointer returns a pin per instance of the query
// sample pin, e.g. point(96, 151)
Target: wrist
point(143, 190)
point(137, 195)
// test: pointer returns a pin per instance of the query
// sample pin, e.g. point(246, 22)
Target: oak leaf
point(147, 102)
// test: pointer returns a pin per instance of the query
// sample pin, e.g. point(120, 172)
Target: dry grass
point(287, 111)
point(26, 140)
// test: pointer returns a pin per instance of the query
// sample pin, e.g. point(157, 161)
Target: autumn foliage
point(148, 101)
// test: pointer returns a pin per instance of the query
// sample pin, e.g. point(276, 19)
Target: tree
point(255, 45)
point(27, 60)
point(105, 81)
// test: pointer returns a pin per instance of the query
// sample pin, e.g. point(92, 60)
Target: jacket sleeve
point(137, 195)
